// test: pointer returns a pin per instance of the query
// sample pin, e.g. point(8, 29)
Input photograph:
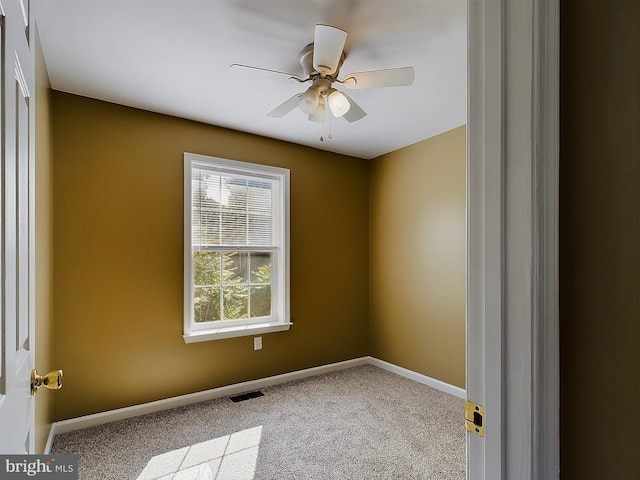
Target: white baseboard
point(87, 421)
point(418, 377)
point(101, 418)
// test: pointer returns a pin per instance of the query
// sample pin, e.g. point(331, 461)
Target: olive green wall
point(118, 258)
point(600, 239)
point(44, 246)
point(418, 257)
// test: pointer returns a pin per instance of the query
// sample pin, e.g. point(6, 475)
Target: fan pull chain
point(330, 134)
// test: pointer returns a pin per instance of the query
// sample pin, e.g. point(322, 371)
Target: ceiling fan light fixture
point(321, 62)
point(318, 114)
point(338, 103)
point(309, 100)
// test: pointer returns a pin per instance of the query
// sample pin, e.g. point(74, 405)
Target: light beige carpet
point(359, 423)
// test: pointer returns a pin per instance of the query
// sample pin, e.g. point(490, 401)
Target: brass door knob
point(52, 380)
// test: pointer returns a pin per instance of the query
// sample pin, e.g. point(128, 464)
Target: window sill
point(237, 331)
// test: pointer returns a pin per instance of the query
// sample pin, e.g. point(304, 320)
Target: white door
point(17, 229)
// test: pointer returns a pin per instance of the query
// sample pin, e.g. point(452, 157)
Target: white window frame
point(280, 318)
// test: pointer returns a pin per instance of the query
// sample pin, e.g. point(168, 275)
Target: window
point(236, 249)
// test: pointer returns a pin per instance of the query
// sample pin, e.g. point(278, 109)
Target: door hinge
point(474, 418)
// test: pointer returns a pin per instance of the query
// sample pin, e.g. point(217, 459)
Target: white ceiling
point(173, 57)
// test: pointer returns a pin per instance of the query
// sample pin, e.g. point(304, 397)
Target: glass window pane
point(205, 202)
point(206, 268)
point(236, 268)
point(261, 301)
point(206, 231)
point(206, 305)
point(235, 301)
point(259, 197)
point(234, 227)
point(237, 188)
point(261, 267)
point(260, 230)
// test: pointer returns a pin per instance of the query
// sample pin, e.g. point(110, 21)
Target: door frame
point(512, 233)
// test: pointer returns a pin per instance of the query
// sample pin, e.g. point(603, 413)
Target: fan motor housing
point(322, 85)
point(306, 61)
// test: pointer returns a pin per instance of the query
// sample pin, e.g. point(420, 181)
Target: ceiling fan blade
point(284, 108)
point(327, 48)
point(354, 113)
point(250, 67)
point(391, 77)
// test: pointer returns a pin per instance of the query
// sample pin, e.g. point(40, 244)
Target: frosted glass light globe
point(309, 100)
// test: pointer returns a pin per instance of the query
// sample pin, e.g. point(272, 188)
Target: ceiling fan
point(321, 62)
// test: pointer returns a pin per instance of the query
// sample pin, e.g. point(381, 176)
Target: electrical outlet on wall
point(257, 343)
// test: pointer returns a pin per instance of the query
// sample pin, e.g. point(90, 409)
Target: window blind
point(231, 210)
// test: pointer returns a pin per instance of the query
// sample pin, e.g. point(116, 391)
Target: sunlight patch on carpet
point(232, 457)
